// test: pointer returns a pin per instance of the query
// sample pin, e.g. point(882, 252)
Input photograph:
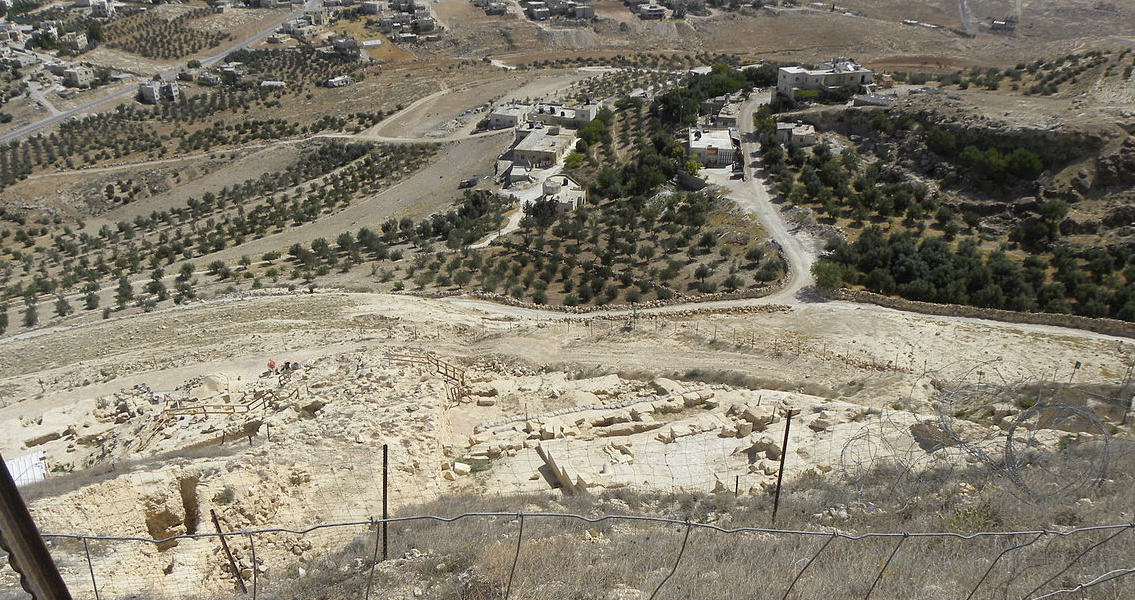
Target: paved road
point(36, 91)
point(130, 89)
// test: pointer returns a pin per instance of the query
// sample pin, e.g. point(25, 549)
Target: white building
point(538, 11)
point(75, 40)
point(78, 76)
point(830, 76)
point(583, 11)
point(539, 146)
point(509, 115)
point(713, 146)
point(651, 11)
point(797, 134)
point(340, 81)
point(102, 9)
point(558, 114)
point(154, 91)
point(565, 192)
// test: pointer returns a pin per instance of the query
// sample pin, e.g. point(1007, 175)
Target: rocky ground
point(145, 446)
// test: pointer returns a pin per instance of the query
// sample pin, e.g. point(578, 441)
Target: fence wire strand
point(1104, 578)
point(677, 561)
point(341, 555)
point(815, 556)
point(998, 559)
point(886, 564)
point(1078, 557)
point(515, 558)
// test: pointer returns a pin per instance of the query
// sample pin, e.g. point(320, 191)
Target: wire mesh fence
point(540, 555)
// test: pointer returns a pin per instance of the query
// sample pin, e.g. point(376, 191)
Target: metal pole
point(28, 555)
point(780, 472)
point(385, 506)
point(228, 553)
point(252, 548)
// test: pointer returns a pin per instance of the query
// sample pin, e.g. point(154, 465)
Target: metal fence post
point(252, 548)
point(20, 537)
point(228, 553)
point(783, 456)
point(385, 509)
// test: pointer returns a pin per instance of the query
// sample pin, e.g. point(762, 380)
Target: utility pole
point(28, 554)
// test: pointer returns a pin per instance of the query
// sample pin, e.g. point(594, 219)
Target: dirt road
point(430, 190)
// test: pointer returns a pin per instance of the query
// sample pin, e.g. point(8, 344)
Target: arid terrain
point(161, 264)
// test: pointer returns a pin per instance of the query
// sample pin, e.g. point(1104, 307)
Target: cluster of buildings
point(723, 111)
point(306, 26)
point(14, 36)
point(543, 10)
point(543, 134)
point(491, 7)
point(829, 76)
point(407, 21)
point(100, 9)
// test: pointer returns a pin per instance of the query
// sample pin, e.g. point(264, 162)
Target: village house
point(74, 40)
point(651, 11)
point(540, 146)
point(509, 115)
point(557, 114)
point(102, 9)
point(78, 76)
point(713, 147)
point(796, 134)
point(155, 90)
point(566, 192)
point(829, 76)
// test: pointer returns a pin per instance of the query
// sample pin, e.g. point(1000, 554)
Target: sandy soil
point(828, 344)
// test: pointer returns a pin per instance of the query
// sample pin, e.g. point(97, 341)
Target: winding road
point(754, 195)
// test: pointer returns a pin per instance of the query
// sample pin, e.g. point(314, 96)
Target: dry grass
point(563, 557)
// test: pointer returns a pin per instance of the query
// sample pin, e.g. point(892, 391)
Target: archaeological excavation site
point(567, 300)
point(408, 448)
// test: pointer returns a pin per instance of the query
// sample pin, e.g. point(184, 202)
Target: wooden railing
point(260, 399)
point(450, 372)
